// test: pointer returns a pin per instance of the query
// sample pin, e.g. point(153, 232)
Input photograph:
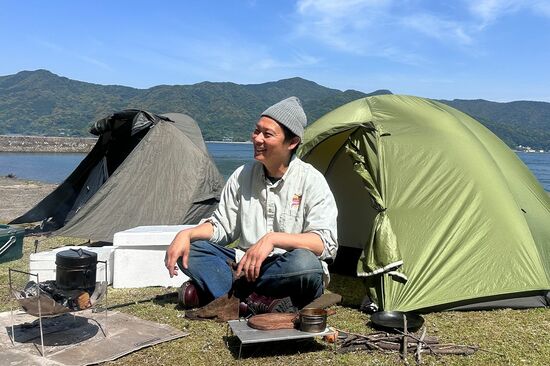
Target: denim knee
point(208, 268)
point(202, 248)
point(303, 261)
point(297, 273)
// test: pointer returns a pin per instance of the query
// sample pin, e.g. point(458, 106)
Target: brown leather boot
point(188, 296)
point(222, 309)
point(259, 304)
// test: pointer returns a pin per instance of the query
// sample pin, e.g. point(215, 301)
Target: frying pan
point(389, 320)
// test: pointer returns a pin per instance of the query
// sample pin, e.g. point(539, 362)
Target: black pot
point(75, 269)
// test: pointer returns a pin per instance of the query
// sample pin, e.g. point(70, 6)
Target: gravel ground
point(18, 196)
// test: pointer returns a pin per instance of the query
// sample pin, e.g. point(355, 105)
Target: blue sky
point(491, 49)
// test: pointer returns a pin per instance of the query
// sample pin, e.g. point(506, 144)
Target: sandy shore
point(18, 196)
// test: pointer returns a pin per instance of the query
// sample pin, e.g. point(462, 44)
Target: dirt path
point(18, 196)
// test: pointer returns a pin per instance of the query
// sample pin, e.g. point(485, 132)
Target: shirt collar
point(292, 163)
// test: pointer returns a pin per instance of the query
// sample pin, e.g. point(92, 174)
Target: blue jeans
point(297, 273)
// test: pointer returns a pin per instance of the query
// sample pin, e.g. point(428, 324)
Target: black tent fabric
point(145, 169)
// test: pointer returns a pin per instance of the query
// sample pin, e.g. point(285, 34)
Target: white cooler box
point(139, 257)
point(43, 263)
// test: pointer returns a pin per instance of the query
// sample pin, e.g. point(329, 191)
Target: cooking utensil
point(313, 320)
point(75, 269)
point(273, 321)
point(389, 320)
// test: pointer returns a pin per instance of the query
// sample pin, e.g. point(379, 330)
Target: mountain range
point(42, 103)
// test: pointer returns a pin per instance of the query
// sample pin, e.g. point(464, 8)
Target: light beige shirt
point(300, 202)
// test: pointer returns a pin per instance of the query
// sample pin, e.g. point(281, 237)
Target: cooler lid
point(148, 236)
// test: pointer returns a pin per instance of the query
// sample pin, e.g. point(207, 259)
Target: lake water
point(54, 168)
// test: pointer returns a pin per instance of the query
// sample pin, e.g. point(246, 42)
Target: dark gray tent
point(145, 169)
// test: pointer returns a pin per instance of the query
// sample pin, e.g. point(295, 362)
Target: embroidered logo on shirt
point(296, 200)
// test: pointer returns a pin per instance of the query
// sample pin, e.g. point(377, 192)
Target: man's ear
point(294, 142)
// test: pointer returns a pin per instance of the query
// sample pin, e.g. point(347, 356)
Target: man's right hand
point(181, 245)
point(178, 248)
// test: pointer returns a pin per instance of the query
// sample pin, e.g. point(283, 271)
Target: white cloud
point(49, 45)
point(219, 58)
point(341, 24)
point(542, 7)
point(238, 56)
point(398, 55)
point(93, 61)
point(439, 28)
point(488, 11)
point(372, 27)
point(297, 61)
point(341, 8)
point(376, 27)
point(73, 54)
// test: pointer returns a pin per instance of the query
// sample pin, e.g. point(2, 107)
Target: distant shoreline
point(229, 142)
point(59, 144)
point(65, 144)
point(46, 144)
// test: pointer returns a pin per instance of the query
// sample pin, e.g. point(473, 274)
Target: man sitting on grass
point(283, 214)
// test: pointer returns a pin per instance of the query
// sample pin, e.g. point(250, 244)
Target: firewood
point(404, 344)
point(83, 301)
point(418, 354)
point(452, 349)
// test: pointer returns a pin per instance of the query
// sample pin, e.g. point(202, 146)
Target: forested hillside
point(42, 103)
point(524, 123)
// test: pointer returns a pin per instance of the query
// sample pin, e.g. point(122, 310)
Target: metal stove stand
point(103, 327)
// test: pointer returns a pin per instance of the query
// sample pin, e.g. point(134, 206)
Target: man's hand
point(178, 248)
point(181, 245)
point(251, 262)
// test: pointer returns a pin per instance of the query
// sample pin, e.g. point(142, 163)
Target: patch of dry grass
point(523, 336)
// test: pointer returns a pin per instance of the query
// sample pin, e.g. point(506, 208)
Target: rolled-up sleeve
point(225, 219)
point(321, 216)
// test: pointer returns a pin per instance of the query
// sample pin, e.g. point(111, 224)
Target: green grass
point(523, 336)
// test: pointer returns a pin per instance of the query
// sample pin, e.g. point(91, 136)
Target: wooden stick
point(424, 343)
point(405, 341)
point(418, 354)
point(452, 349)
point(475, 348)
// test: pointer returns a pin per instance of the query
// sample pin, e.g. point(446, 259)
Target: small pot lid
point(75, 257)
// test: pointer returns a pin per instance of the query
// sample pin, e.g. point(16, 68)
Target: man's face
point(269, 142)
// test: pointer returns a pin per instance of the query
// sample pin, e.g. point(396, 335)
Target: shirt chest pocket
point(291, 220)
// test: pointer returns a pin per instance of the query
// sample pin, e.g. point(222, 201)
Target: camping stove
point(46, 299)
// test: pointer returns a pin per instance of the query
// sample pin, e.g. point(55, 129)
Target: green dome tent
point(444, 214)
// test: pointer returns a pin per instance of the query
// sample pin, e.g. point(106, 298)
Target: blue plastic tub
point(11, 243)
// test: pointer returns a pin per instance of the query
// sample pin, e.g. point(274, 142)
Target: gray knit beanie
point(289, 112)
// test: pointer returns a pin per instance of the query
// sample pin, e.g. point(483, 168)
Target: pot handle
point(78, 251)
point(88, 275)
